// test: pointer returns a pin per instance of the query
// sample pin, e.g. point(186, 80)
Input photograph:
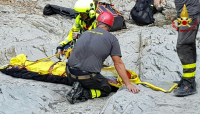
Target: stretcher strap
point(51, 68)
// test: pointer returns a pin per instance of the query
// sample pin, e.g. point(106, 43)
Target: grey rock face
point(19, 96)
point(150, 102)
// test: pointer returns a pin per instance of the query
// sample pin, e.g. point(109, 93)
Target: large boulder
point(150, 102)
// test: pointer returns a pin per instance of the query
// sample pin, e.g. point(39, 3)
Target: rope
point(66, 55)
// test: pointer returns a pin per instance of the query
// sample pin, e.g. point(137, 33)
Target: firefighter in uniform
point(86, 20)
point(186, 44)
point(85, 63)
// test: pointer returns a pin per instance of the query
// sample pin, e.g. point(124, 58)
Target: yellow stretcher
point(45, 66)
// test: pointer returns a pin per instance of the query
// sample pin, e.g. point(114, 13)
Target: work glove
point(63, 43)
point(58, 50)
point(75, 35)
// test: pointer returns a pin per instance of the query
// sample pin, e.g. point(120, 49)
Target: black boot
point(179, 82)
point(75, 94)
point(187, 87)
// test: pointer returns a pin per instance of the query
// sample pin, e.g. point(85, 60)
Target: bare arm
point(119, 66)
point(157, 2)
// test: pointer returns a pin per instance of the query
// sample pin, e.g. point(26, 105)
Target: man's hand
point(132, 88)
point(58, 54)
point(157, 2)
point(58, 50)
point(75, 35)
point(119, 66)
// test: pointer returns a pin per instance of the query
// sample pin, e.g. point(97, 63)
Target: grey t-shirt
point(92, 48)
point(193, 6)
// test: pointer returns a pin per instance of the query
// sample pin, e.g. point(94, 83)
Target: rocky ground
point(148, 50)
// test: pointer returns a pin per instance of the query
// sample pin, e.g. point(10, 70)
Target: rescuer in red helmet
point(85, 63)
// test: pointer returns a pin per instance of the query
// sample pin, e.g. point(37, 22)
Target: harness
point(87, 26)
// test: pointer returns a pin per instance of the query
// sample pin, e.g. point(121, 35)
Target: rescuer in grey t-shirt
point(85, 62)
point(92, 48)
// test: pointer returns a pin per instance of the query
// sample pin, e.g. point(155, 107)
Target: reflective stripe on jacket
point(79, 25)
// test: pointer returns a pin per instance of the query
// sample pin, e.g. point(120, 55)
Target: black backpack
point(142, 12)
point(54, 9)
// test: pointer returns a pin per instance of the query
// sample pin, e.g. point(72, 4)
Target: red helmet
point(106, 17)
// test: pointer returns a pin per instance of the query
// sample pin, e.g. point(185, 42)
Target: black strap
point(68, 75)
point(151, 13)
point(124, 24)
point(91, 76)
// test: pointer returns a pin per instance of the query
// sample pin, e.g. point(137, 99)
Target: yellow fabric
point(39, 67)
point(189, 75)
point(136, 80)
point(78, 25)
point(95, 93)
point(67, 53)
point(189, 66)
point(43, 67)
point(3, 67)
point(18, 60)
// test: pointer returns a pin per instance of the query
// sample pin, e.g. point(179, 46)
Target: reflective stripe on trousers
point(186, 47)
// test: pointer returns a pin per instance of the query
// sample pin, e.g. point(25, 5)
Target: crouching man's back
point(85, 63)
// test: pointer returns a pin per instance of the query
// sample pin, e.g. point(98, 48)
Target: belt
point(81, 77)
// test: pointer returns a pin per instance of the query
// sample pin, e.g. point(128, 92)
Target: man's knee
point(178, 46)
point(107, 89)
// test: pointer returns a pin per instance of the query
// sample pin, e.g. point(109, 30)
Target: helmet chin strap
point(97, 24)
point(109, 29)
